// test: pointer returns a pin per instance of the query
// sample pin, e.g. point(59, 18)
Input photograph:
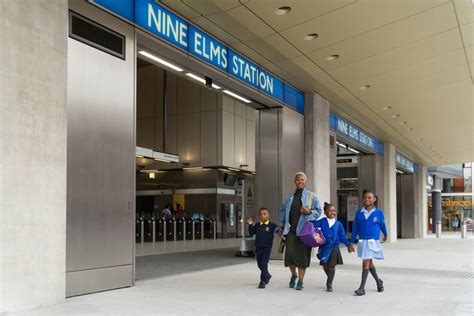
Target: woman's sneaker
point(359, 292)
point(380, 286)
point(300, 285)
point(328, 288)
point(293, 279)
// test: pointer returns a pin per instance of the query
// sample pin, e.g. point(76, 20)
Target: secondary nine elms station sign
point(160, 21)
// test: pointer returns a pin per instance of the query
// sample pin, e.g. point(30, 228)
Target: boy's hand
point(384, 238)
point(250, 221)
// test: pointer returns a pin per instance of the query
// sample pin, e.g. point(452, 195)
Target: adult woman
point(301, 207)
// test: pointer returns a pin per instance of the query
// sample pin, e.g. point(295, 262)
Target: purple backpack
point(312, 236)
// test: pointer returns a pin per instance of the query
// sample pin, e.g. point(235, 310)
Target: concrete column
point(422, 202)
point(33, 86)
point(316, 153)
point(436, 207)
point(389, 203)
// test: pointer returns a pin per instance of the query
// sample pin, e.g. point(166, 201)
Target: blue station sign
point(405, 164)
point(355, 134)
point(163, 23)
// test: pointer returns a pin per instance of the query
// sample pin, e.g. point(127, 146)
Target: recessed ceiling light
point(332, 57)
point(235, 95)
point(396, 115)
point(202, 80)
point(159, 60)
point(364, 87)
point(311, 37)
point(403, 123)
point(283, 10)
point(386, 108)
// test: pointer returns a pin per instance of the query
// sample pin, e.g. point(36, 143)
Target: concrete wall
point(33, 58)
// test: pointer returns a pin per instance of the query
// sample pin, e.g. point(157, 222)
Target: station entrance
point(195, 155)
point(166, 154)
point(355, 173)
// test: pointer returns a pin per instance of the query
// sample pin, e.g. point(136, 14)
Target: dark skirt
point(296, 253)
point(334, 259)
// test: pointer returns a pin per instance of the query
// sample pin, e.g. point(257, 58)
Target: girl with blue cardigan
point(329, 254)
point(368, 223)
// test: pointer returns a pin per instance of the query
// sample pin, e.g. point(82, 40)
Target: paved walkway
point(422, 277)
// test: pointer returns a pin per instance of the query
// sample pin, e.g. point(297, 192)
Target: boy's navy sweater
point(264, 234)
point(368, 228)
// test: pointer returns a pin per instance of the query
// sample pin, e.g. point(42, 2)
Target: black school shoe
point(359, 292)
point(380, 286)
point(261, 285)
point(268, 280)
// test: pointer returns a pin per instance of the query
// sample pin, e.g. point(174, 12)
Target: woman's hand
point(384, 238)
point(305, 210)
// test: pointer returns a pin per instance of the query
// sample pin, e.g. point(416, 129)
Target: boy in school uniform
point(264, 231)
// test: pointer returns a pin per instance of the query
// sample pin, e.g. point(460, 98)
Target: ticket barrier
point(153, 229)
point(149, 229)
point(198, 229)
point(171, 229)
point(189, 229)
point(139, 230)
point(160, 229)
point(210, 227)
point(180, 226)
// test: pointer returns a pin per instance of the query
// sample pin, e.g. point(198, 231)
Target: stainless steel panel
point(292, 149)
point(267, 185)
point(90, 281)
point(408, 205)
point(371, 175)
point(101, 160)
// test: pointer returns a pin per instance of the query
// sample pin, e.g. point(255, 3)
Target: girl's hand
point(350, 248)
point(384, 238)
point(250, 221)
point(304, 210)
